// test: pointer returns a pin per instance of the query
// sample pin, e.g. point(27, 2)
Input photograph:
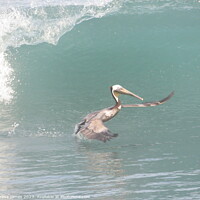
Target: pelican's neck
point(118, 102)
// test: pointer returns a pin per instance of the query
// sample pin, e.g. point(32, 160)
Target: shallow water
point(58, 60)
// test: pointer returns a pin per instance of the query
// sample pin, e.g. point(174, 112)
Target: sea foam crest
point(153, 6)
point(34, 22)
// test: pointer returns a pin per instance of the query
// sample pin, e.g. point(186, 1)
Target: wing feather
point(95, 129)
point(154, 103)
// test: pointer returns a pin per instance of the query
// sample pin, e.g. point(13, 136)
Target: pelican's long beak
point(125, 91)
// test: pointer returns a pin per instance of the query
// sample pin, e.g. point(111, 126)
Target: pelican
point(92, 126)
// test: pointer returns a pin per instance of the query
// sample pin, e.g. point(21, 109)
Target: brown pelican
point(92, 127)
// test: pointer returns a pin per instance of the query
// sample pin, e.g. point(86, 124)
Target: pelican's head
point(118, 89)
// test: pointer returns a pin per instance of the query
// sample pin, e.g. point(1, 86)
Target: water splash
point(34, 22)
point(6, 78)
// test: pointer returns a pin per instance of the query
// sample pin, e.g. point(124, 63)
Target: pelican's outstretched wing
point(154, 103)
point(95, 129)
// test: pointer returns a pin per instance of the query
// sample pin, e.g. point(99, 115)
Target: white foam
point(34, 22)
point(6, 78)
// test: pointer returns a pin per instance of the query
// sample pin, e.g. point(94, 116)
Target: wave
point(33, 22)
point(152, 6)
point(36, 22)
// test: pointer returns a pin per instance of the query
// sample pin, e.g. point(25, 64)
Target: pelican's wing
point(154, 103)
point(95, 129)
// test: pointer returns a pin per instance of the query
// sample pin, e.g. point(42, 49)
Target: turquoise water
point(57, 61)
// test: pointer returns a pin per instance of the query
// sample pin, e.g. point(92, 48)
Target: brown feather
point(154, 103)
point(95, 129)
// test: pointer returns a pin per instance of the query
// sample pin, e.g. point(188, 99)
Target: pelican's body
point(105, 114)
point(92, 126)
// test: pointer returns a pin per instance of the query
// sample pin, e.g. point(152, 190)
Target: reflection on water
point(7, 165)
point(106, 166)
point(101, 162)
point(44, 166)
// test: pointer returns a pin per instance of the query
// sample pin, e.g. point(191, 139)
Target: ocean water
point(57, 61)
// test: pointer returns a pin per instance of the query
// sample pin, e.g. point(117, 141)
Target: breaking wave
point(33, 22)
